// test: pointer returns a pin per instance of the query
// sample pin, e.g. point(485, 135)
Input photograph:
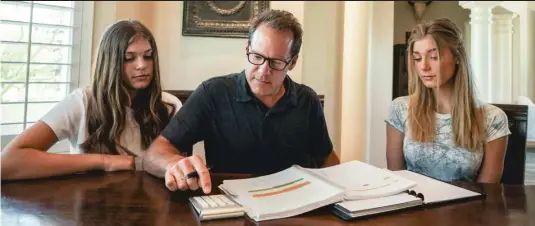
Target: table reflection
point(91, 198)
point(137, 198)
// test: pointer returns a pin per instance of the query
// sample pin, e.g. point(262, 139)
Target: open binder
point(297, 190)
point(428, 191)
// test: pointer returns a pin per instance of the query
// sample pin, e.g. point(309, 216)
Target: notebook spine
point(415, 194)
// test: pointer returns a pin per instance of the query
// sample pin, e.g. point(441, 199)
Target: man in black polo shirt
point(257, 121)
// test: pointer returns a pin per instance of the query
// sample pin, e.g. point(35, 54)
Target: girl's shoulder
point(173, 100)
point(78, 95)
point(400, 105)
point(402, 101)
point(494, 115)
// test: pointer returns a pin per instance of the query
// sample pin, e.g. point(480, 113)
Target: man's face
point(266, 78)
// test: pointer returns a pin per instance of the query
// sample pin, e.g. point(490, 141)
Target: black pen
point(194, 174)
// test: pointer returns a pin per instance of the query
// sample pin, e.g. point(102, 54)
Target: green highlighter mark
point(278, 186)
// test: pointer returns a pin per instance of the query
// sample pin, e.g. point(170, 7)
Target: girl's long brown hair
point(109, 96)
point(467, 115)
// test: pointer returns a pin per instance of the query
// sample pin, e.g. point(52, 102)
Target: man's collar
point(244, 93)
point(243, 86)
point(291, 92)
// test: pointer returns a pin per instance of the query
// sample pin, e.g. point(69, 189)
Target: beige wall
point(404, 19)
point(108, 12)
point(185, 61)
point(321, 58)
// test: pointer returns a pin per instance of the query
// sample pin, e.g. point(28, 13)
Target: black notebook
point(426, 192)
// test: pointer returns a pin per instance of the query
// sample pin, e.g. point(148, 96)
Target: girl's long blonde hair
point(467, 115)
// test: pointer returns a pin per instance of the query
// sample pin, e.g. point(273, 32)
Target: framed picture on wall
point(220, 18)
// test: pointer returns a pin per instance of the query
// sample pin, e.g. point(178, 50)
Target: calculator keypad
point(216, 207)
point(214, 201)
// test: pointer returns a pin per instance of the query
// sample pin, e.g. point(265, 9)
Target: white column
point(517, 84)
point(523, 48)
point(380, 69)
point(502, 75)
point(354, 82)
point(467, 38)
point(322, 66)
point(481, 44)
point(530, 49)
point(524, 52)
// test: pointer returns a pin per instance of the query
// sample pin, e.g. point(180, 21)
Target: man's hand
point(175, 175)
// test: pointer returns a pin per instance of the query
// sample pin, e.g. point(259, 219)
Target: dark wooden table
point(137, 198)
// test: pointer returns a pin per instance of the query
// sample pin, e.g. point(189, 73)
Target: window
point(43, 53)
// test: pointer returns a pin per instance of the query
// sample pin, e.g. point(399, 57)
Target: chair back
point(515, 156)
point(183, 95)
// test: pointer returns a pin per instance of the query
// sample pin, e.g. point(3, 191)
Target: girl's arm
point(492, 167)
point(394, 148)
point(26, 157)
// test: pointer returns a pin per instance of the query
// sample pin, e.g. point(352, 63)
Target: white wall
point(516, 58)
point(355, 74)
point(380, 72)
point(404, 19)
point(530, 45)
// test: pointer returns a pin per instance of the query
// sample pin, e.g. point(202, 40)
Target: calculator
point(211, 207)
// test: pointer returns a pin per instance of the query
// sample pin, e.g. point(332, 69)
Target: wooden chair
point(515, 157)
point(183, 95)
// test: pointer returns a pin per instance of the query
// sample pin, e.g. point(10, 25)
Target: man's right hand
point(175, 172)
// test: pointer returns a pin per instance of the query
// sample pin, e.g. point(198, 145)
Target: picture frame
point(229, 19)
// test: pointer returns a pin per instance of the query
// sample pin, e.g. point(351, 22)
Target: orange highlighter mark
point(288, 189)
